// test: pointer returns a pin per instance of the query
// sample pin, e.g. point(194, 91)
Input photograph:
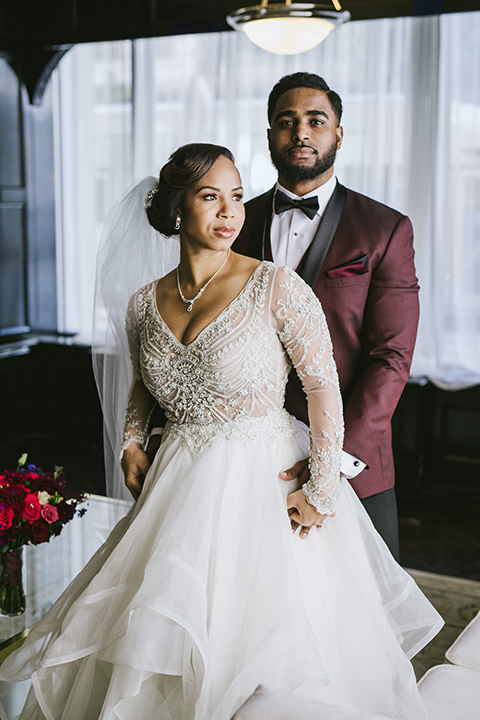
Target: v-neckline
point(214, 320)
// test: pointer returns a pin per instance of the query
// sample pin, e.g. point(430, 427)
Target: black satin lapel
point(314, 257)
point(260, 225)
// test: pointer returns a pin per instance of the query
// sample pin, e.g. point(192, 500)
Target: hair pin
point(149, 197)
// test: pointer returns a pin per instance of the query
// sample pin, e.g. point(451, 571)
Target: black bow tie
point(309, 205)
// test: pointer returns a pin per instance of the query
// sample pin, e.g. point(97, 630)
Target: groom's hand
point(300, 471)
point(152, 447)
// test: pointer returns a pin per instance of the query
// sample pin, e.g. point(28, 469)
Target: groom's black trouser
point(382, 509)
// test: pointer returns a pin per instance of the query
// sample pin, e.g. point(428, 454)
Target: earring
point(178, 221)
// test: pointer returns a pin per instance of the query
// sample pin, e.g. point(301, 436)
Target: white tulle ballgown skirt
point(202, 592)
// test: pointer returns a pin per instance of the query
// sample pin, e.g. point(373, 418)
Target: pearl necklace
point(189, 303)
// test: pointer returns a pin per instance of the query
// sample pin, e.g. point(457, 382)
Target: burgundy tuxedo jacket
point(367, 285)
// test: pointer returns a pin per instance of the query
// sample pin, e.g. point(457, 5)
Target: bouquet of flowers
point(33, 507)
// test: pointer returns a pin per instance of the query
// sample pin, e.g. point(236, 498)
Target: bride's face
point(212, 214)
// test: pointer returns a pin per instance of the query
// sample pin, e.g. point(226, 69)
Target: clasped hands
point(302, 515)
point(135, 464)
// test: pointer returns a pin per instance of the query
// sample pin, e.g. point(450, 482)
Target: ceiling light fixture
point(288, 28)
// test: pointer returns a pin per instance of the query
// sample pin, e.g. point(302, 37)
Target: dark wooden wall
point(50, 409)
point(55, 22)
point(436, 440)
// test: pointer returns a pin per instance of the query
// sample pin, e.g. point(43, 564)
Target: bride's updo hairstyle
point(185, 168)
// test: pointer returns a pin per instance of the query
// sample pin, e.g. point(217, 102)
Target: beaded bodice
point(231, 378)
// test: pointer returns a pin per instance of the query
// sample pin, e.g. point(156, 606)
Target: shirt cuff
point(351, 466)
point(155, 431)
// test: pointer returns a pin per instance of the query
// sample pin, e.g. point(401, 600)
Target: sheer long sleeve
point(140, 402)
point(303, 332)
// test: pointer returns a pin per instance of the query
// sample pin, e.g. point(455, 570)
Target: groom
point(357, 255)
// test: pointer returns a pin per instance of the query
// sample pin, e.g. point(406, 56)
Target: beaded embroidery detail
point(198, 436)
point(230, 380)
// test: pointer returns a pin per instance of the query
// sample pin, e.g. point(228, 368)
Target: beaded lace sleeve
point(304, 334)
point(140, 402)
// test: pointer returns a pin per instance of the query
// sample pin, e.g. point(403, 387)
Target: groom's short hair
point(304, 80)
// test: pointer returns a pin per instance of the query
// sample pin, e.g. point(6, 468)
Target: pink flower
point(32, 508)
point(49, 513)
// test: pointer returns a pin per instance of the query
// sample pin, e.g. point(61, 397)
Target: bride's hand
point(135, 464)
point(302, 513)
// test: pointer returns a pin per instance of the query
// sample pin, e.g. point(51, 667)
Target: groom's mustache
point(299, 147)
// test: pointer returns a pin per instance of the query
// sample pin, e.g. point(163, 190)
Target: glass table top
point(50, 567)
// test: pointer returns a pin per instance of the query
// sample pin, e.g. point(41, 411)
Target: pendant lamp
point(288, 28)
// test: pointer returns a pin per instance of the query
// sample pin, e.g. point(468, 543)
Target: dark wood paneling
point(28, 19)
point(436, 440)
point(90, 14)
point(15, 418)
point(407, 440)
point(50, 409)
point(454, 450)
point(58, 22)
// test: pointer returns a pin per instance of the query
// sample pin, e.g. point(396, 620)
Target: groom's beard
point(293, 173)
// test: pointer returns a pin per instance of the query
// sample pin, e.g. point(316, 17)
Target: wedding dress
point(202, 592)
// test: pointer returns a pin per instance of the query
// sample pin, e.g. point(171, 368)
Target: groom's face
point(304, 139)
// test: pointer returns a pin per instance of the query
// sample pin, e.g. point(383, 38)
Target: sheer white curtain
point(448, 346)
point(93, 142)
point(411, 95)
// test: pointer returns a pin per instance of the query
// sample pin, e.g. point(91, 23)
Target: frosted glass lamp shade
point(288, 36)
point(287, 29)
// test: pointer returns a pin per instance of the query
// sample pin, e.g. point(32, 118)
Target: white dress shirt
point(291, 233)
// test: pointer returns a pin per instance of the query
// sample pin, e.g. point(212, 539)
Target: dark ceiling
point(41, 23)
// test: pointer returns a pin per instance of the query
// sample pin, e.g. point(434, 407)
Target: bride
point(203, 592)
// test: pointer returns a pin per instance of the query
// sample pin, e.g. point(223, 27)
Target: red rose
point(6, 516)
point(49, 513)
point(32, 509)
point(40, 533)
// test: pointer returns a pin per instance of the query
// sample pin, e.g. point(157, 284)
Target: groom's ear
point(339, 134)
